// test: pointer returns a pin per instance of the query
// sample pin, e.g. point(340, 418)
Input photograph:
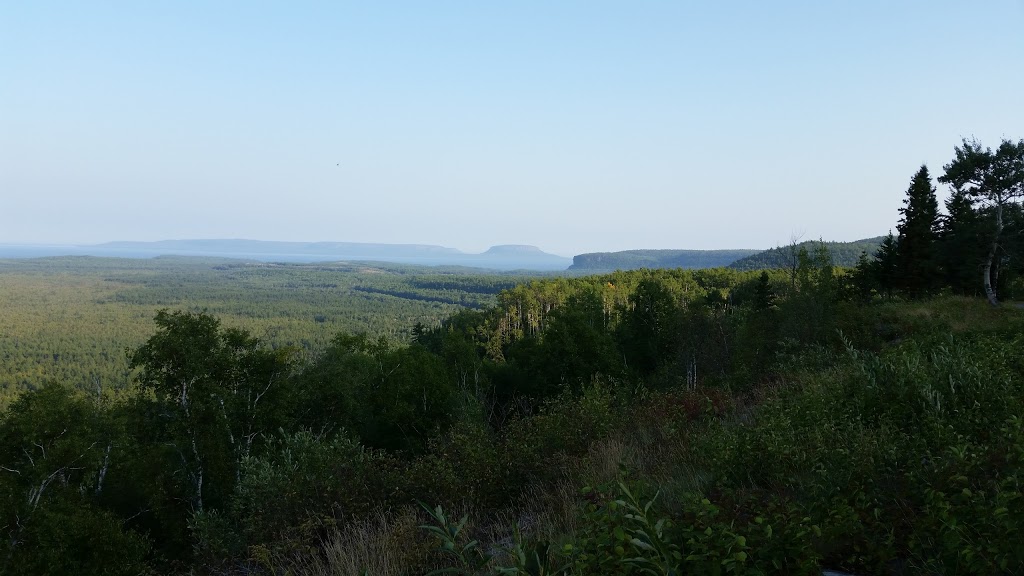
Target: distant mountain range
point(505, 257)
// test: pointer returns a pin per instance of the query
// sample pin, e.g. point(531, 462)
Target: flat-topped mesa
point(514, 249)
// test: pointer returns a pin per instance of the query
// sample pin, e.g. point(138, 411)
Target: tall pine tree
point(916, 262)
point(963, 244)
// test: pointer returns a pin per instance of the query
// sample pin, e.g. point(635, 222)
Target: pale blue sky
point(575, 126)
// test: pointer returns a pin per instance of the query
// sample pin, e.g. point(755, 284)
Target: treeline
point(654, 421)
point(971, 248)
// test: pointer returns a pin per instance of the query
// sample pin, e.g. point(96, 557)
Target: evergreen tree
point(915, 256)
point(764, 296)
point(862, 282)
point(962, 244)
point(758, 335)
point(886, 265)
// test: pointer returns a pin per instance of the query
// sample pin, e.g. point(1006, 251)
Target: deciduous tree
point(215, 388)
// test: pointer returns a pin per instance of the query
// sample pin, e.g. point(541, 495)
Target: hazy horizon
point(542, 248)
point(419, 244)
point(577, 127)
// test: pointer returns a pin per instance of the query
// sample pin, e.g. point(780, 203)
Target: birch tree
point(993, 180)
point(214, 387)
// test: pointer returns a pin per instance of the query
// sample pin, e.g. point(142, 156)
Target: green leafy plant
point(469, 557)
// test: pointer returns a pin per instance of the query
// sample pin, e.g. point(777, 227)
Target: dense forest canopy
point(654, 421)
point(70, 319)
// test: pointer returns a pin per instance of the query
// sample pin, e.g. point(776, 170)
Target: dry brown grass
point(382, 545)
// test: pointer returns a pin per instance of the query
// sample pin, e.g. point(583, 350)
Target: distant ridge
point(501, 257)
point(843, 254)
point(509, 257)
point(274, 247)
point(636, 259)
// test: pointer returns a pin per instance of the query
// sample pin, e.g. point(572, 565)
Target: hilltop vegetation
point(844, 254)
point(784, 257)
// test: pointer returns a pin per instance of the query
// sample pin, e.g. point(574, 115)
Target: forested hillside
point(712, 421)
point(784, 257)
point(636, 259)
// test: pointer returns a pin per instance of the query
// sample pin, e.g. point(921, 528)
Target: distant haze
point(576, 126)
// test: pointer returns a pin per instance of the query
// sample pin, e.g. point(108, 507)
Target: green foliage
point(863, 282)
point(623, 533)
point(532, 558)
point(55, 447)
point(577, 345)
point(995, 180)
point(996, 176)
point(602, 545)
point(393, 398)
point(875, 452)
point(69, 536)
point(465, 464)
point(467, 555)
point(885, 267)
point(304, 483)
point(808, 313)
point(219, 390)
point(962, 244)
point(565, 426)
point(649, 330)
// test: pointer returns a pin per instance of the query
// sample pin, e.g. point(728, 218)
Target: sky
point(575, 126)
